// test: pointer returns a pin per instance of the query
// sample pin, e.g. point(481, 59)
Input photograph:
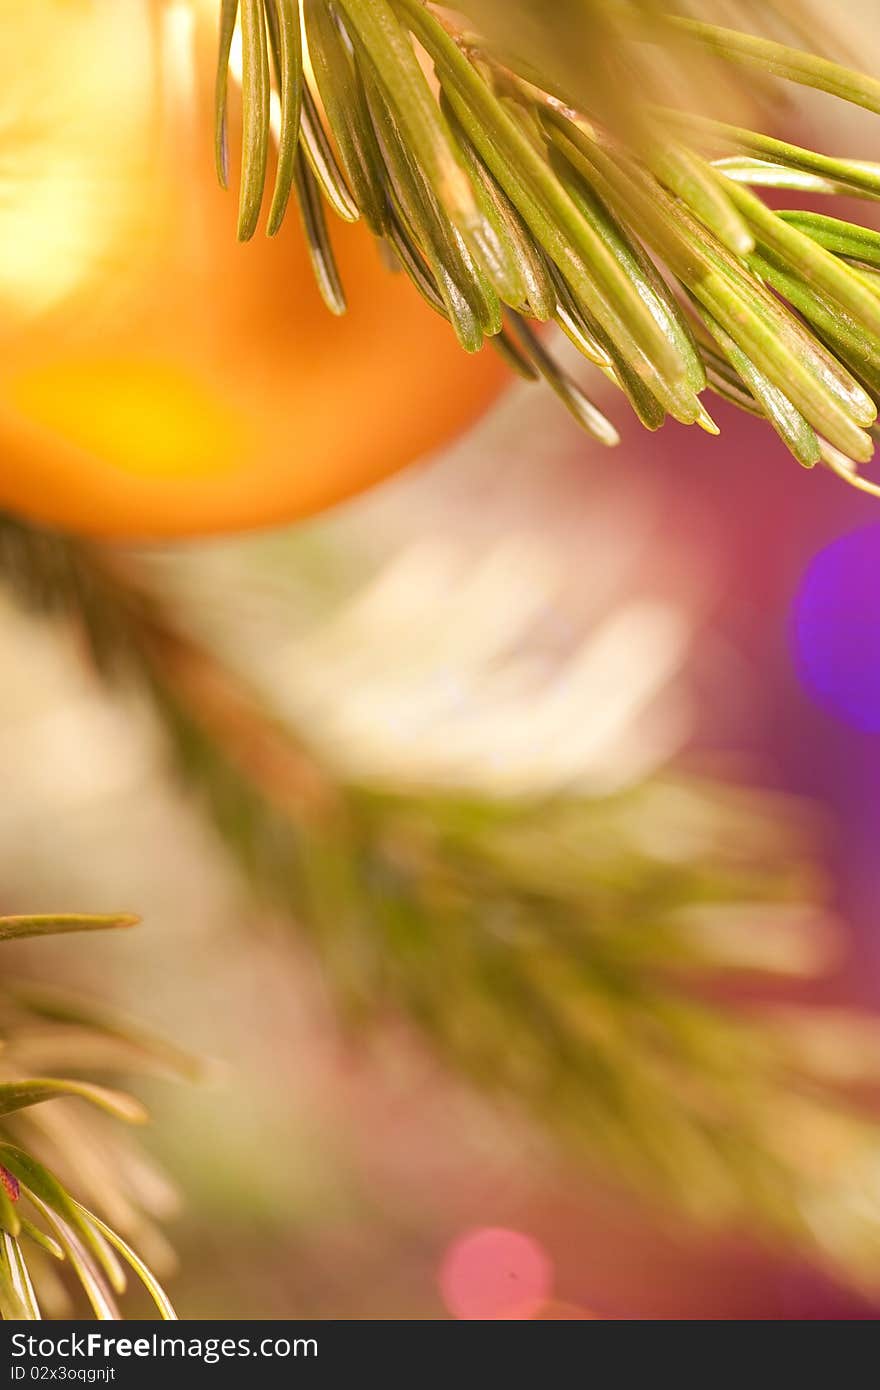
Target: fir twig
point(75, 1235)
point(529, 189)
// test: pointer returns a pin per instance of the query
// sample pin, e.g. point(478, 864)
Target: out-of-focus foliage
point(548, 943)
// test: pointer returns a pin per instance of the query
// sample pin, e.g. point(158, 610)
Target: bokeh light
point(492, 1273)
point(836, 629)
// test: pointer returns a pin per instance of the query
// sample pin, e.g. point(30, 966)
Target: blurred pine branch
point(544, 947)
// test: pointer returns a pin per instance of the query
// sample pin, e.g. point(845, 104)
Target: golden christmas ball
point(157, 378)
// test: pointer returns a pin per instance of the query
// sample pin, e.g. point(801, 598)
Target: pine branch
point(533, 190)
point(538, 947)
point(38, 1215)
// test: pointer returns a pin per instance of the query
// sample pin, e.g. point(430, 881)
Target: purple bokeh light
point(836, 629)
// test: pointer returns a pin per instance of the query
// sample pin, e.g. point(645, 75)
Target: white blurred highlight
point(436, 674)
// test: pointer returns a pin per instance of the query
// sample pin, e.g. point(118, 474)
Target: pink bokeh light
point(491, 1273)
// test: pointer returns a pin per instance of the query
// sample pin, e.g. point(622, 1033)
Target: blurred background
point(521, 613)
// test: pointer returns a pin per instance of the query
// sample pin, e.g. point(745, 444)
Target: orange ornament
point(158, 379)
